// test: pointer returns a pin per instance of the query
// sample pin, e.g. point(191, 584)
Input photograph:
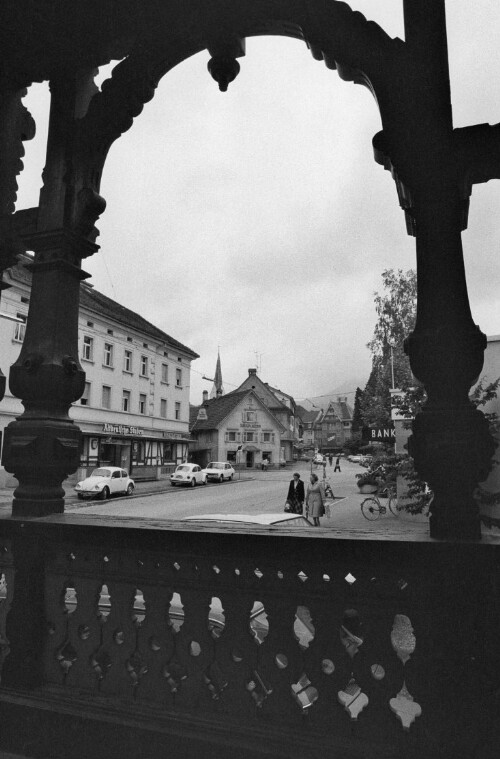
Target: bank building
point(134, 411)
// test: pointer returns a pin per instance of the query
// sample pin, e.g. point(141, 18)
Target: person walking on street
point(337, 465)
point(324, 467)
point(330, 459)
point(296, 495)
point(314, 500)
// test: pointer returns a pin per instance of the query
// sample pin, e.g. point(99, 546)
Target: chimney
point(252, 372)
point(205, 396)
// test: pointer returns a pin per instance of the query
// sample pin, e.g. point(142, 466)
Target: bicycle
point(372, 508)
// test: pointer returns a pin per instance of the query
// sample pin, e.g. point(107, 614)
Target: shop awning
point(251, 449)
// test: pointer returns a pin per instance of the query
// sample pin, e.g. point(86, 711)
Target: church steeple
point(218, 387)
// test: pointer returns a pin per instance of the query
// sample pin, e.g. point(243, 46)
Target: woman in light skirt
point(315, 507)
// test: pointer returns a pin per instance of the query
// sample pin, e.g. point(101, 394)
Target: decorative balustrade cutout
point(350, 632)
point(353, 699)
point(403, 642)
point(304, 692)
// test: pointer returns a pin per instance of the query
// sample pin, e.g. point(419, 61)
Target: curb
point(73, 500)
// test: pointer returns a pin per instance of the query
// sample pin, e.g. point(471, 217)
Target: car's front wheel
point(130, 489)
point(193, 482)
point(79, 496)
point(104, 494)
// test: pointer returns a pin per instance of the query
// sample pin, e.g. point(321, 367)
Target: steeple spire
point(218, 387)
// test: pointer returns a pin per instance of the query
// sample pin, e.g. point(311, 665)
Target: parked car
point(355, 459)
point(105, 481)
point(282, 519)
point(219, 470)
point(188, 474)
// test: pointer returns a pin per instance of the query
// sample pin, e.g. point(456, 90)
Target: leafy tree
point(396, 311)
point(357, 419)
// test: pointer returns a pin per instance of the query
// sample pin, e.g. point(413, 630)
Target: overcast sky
point(257, 219)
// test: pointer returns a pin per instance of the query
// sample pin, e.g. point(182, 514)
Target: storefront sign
point(379, 434)
point(122, 429)
point(173, 435)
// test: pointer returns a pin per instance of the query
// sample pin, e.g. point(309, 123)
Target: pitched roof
point(219, 408)
point(93, 300)
point(340, 409)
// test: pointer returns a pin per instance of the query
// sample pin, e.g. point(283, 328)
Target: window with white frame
point(106, 396)
point(127, 361)
point(144, 366)
point(142, 403)
point(250, 416)
point(177, 410)
point(164, 373)
point(232, 436)
point(163, 408)
point(20, 329)
point(268, 437)
point(85, 399)
point(126, 400)
point(88, 348)
point(108, 354)
point(178, 377)
point(249, 436)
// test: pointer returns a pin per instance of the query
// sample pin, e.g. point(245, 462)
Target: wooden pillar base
point(452, 449)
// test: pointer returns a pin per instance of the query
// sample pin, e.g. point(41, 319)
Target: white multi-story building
point(134, 411)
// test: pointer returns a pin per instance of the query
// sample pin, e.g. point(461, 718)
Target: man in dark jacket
point(296, 495)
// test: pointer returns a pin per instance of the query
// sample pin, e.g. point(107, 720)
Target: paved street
point(264, 493)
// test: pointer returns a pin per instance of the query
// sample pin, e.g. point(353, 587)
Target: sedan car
point(105, 481)
point(219, 471)
point(188, 474)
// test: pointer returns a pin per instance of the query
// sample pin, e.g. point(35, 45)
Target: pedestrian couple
point(314, 499)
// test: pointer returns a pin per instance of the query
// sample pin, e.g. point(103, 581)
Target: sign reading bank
point(380, 434)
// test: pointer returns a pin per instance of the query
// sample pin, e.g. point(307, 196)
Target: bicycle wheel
point(393, 505)
point(370, 508)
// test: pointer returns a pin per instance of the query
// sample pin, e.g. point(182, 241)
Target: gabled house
point(308, 421)
point(281, 405)
point(232, 423)
point(334, 426)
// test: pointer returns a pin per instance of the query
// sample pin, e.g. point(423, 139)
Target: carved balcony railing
point(125, 635)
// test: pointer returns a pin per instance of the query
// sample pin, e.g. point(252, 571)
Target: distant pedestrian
point(337, 465)
point(296, 495)
point(265, 464)
point(330, 459)
point(315, 507)
point(323, 464)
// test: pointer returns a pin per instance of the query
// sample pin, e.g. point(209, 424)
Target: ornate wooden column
point(434, 170)
point(451, 443)
point(16, 125)
point(43, 445)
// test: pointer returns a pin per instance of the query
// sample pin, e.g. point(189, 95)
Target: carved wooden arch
point(358, 49)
